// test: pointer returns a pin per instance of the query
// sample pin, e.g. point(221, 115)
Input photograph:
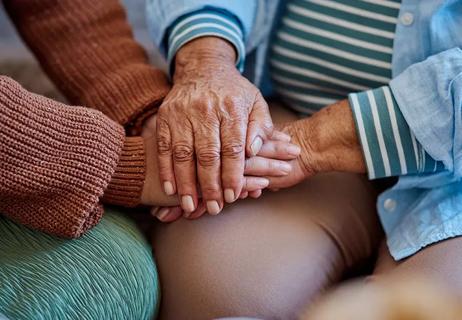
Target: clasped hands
point(213, 139)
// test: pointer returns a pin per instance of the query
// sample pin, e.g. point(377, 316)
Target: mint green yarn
point(108, 273)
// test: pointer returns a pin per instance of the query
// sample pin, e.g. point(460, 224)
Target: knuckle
point(210, 190)
point(230, 102)
point(183, 152)
point(233, 181)
point(233, 150)
point(203, 105)
point(207, 122)
point(274, 165)
point(163, 137)
point(208, 156)
point(164, 147)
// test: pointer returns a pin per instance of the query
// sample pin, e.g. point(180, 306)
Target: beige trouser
point(270, 257)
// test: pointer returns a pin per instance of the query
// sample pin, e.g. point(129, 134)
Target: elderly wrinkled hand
point(328, 143)
point(272, 160)
point(207, 124)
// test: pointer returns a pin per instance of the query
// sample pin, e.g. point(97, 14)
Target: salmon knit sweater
point(56, 161)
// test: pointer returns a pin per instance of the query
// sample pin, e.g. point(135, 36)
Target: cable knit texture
point(55, 161)
point(88, 50)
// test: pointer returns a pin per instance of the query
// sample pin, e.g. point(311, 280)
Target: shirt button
point(389, 205)
point(407, 18)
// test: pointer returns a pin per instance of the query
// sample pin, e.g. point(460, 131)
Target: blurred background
point(17, 62)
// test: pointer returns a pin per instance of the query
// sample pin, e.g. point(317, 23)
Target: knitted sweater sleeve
point(57, 160)
point(88, 50)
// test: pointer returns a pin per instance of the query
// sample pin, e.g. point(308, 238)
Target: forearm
point(55, 161)
point(88, 50)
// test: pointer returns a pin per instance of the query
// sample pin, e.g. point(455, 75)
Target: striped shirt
point(206, 23)
point(322, 51)
point(325, 49)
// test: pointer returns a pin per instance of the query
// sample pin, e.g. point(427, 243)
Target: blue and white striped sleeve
point(389, 146)
point(206, 22)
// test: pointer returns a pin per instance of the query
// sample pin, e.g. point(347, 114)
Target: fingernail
point(187, 203)
point(168, 188)
point(229, 195)
point(256, 146)
point(213, 207)
point(262, 182)
point(294, 150)
point(162, 214)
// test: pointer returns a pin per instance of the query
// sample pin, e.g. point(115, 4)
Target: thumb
point(260, 126)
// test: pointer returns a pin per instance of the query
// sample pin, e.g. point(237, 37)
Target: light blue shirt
point(426, 83)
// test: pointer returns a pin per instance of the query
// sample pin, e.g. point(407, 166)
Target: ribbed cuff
point(389, 146)
point(55, 161)
point(206, 23)
point(126, 184)
point(94, 217)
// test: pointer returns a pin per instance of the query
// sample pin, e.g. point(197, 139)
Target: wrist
point(204, 52)
point(335, 145)
point(126, 184)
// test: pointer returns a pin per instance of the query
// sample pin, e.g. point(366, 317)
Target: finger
point(255, 183)
point(260, 126)
point(168, 214)
point(164, 155)
point(232, 158)
point(207, 144)
point(184, 166)
point(255, 194)
point(199, 212)
point(259, 166)
point(277, 183)
point(280, 136)
point(279, 150)
point(244, 195)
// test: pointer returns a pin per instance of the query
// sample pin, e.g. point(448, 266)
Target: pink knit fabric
point(55, 161)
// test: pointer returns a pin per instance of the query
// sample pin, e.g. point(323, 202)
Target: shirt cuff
point(127, 182)
point(202, 23)
point(389, 146)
